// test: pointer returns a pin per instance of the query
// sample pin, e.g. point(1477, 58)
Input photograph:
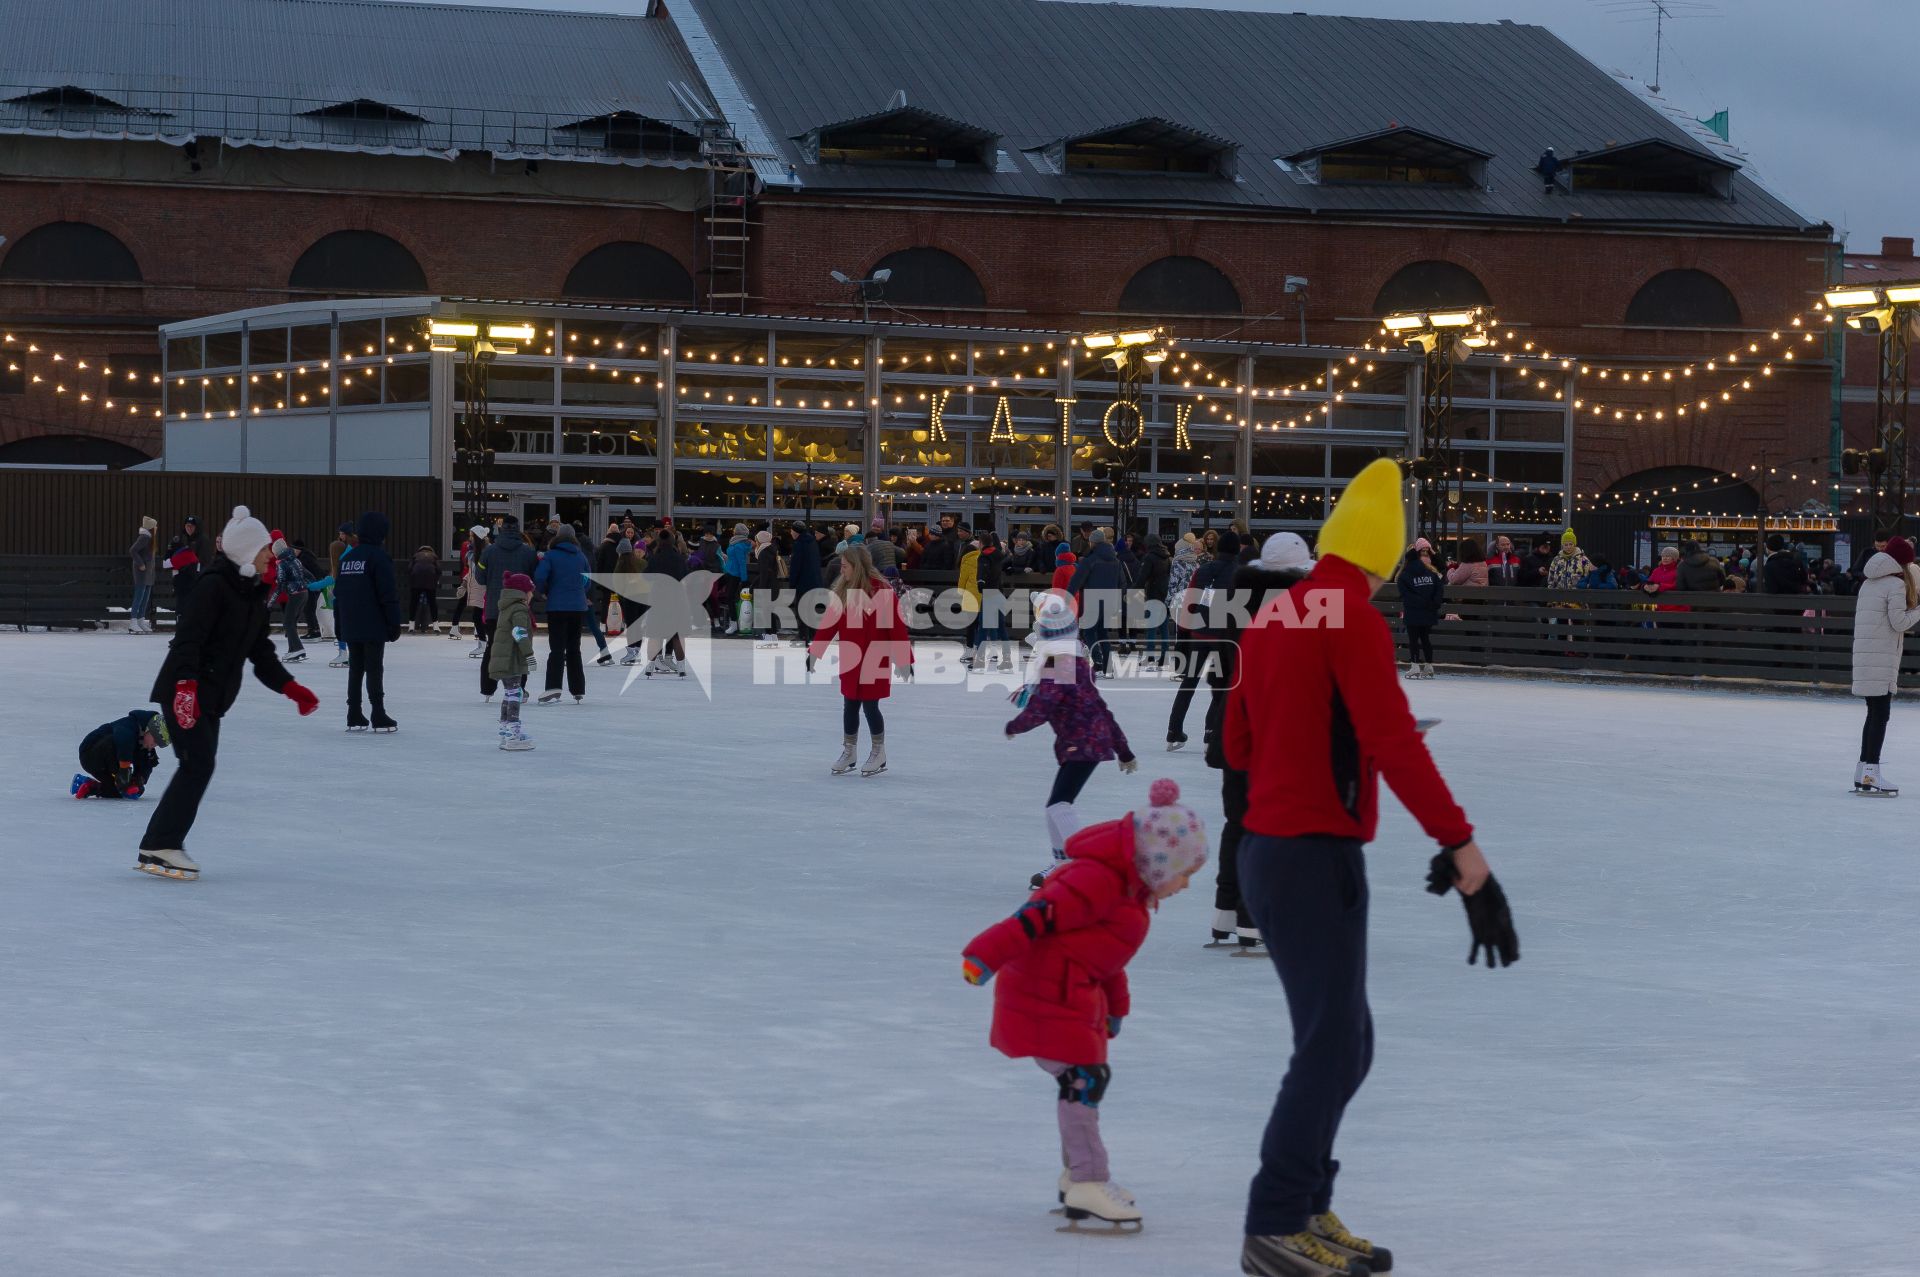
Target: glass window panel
point(222, 393)
point(1471, 423)
point(1274, 372)
point(359, 384)
point(1023, 453)
point(1531, 427)
point(1024, 361)
point(1532, 385)
point(1472, 383)
point(1200, 368)
point(841, 396)
point(361, 338)
point(624, 477)
point(624, 387)
point(1384, 419)
point(404, 336)
point(312, 342)
point(914, 355)
point(529, 435)
point(1289, 459)
point(819, 350)
point(408, 382)
point(719, 441)
point(1372, 377)
point(1349, 460)
point(831, 489)
point(1527, 467)
point(267, 346)
point(515, 474)
point(514, 382)
point(223, 349)
point(183, 353)
point(722, 346)
point(604, 437)
point(821, 446)
point(183, 396)
point(1289, 503)
point(723, 488)
point(133, 379)
point(586, 338)
point(917, 448)
point(1473, 462)
point(1526, 507)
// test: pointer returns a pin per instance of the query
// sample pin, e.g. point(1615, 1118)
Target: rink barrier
point(1785, 638)
point(73, 592)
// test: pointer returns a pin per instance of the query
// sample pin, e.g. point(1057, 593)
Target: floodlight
point(442, 345)
point(1841, 297)
point(1903, 294)
point(839, 277)
point(1476, 341)
point(1155, 356)
point(510, 332)
point(1423, 342)
point(881, 276)
point(1452, 318)
point(1401, 323)
point(1879, 320)
point(453, 328)
point(1099, 341)
point(1138, 337)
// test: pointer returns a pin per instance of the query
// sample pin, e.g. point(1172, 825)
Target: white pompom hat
point(243, 539)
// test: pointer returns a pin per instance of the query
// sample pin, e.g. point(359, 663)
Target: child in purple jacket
point(1059, 691)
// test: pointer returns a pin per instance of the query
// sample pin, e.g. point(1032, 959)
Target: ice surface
point(662, 997)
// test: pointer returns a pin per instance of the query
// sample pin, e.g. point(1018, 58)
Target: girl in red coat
point(865, 618)
point(1062, 961)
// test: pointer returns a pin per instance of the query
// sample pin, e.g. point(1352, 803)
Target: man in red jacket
point(1317, 716)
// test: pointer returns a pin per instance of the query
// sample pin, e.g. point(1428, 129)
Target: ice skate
point(83, 785)
point(1869, 783)
point(605, 657)
point(1223, 924)
point(513, 736)
point(478, 650)
point(356, 721)
point(533, 662)
point(174, 864)
point(877, 759)
point(631, 656)
point(382, 724)
point(1297, 1255)
point(453, 632)
point(339, 661)
point(550, 697)
point(768, 640)
point(1248, 942)
point(1176, 742)
point(1066, 1182)
point(844, 764)
point(1426, 669)
point(292, 658)
point(659, 667)
point(1103, 1201)
point(1334, 1236)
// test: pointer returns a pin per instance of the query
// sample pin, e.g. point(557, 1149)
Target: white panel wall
point(287, 443)
point(395, 441)
point(203, 445)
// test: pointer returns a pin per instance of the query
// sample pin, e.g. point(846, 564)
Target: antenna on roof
point(1663, 12)
point(898, 100)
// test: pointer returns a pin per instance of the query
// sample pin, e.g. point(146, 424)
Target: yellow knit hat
point(1368, 526)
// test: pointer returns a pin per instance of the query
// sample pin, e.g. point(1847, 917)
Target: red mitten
point(300, 696)
point(186, 703)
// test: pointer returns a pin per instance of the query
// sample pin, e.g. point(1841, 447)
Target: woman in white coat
point(1886, 607)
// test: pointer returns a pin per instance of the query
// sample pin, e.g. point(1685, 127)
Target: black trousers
point(488, 684)
point(1309, 898)
point(312, 615)
point(563, 647)
point(427, 598)
point(195, 748)
point(367, 662)
point(850, 711)
point(1202, 656)
point(1070, 780)
point(1226, 884)
point(1420, 643)
point(1873, 733)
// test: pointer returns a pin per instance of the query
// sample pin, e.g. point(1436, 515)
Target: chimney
point(1896, 246)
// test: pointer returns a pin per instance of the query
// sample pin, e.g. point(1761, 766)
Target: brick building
point(728, 155)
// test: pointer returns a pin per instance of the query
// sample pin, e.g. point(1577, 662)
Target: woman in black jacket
point(222, 628)
point(763, 578)
point(1422, 591)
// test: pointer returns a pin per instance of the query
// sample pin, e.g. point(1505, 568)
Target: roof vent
point(900, 135)
point(68, 97)
point(1393, 155)
point(1147, 145)
point(626, 133)
point(1653, 166)
point(365, 111)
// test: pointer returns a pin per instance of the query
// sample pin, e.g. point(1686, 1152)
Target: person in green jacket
point(510, 656)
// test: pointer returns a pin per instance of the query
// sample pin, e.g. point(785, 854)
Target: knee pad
point(1085, 1084)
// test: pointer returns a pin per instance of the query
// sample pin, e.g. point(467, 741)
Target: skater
point(290, 586)
point(472, 594)
point(342, 542)
point(629, 568)
point(1059, 691)
point(117, 758)
point(423, 590)
point(221, 628)
point(804, 577)
point(1316, 716)
point(316, 581)
point(508, 552)
point(1062, 962)
point(1422, 592)
point(510, 656)
point(667, 558)
point(763, 578)
point(1213, 576)
point(367, 620)
point(1284, 562)
point(187, 553)
point(1887, 606)
point(733, 576)
point(562, 577)
point(864, 618)
point(146, 571)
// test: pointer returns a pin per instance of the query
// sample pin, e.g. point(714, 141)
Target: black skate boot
point(383, 724)
point(356, 721)
point(1334, 1235)
point(1297, 1255)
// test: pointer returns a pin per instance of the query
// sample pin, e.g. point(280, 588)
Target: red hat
point(517, 581)
point(1901, 550)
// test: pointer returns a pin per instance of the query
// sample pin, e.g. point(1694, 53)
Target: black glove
point(1487, 915)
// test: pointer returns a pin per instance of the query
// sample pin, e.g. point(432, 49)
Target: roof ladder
point(726, 220)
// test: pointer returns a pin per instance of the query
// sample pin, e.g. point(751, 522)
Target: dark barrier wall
point(69, 513)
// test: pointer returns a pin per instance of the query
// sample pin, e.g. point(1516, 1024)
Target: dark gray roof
point(1274, 84)
point(262, 72)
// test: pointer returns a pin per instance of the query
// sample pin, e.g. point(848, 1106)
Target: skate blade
point(1875, 793)
point(1091, 1225)
point(1249, 951)
point(875, 772)
point(1221, 944)
point(164, 871)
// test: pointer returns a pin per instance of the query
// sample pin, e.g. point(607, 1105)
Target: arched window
point(1684, 299)
point(1180, 286)
point(70, 450)
point(930, 277)
point(1635, 492)
point(74, 252)
point(630, 271)
point(358, 262)
point(1430, 285)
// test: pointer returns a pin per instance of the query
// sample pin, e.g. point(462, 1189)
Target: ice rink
point(662, 997)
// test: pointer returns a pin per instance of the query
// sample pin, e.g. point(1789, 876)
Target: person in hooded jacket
point(423, 589)
point(367, 603)
point(763, 578)
point(1699, 571)
point(1533, 569)
point(733, 576)
point(146, 573)
point(804, 576)
point(1156, 576)
point(118, 758)
point(1099, 585)
point(562, 576)
point(1061, 960)
point(668, 558)
point(1886, 607)
point(507, 552)
point(221, 629)
point(1422, 594)
point(1284, 562)
point(187, 554)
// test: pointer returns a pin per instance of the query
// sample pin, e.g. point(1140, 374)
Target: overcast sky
point(1820, 93)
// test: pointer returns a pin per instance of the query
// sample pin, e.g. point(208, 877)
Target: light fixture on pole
point(1890, 313)
point(1297, 286)
point(1134, 354)
point(871, 288)
point(1445, 337)
point(482, 343)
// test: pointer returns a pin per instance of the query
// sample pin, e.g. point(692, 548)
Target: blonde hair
point(1913, 590)
point(863, 574)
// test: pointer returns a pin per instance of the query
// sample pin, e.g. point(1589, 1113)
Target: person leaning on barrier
point(1699, 571)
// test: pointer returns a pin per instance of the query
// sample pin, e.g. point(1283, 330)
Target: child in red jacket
point(1062, 961)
